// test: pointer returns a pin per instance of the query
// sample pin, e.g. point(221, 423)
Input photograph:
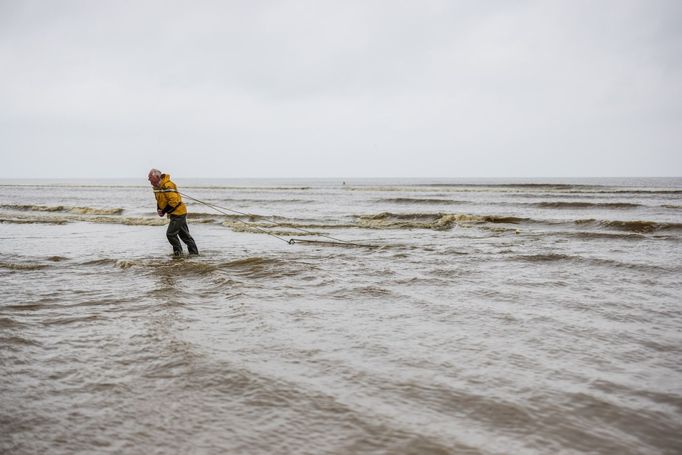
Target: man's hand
point(159, 212)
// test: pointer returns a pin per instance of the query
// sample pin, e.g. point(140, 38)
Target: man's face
point(153, 179)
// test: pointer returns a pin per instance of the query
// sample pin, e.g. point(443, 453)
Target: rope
point(290, 241)
point(323, 242)
point(216, 208)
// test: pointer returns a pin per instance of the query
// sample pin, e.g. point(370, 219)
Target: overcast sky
point(317, 88)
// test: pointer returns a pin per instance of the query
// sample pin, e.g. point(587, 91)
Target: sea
point(332, 316)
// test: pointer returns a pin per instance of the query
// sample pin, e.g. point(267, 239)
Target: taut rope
point(291, 241)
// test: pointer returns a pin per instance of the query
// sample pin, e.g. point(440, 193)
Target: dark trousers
point(178, 228)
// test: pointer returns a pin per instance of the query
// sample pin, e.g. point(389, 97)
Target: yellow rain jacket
point(167, 197)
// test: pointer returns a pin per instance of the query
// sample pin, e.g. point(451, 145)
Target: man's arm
point(171, 198)
point(160, 201)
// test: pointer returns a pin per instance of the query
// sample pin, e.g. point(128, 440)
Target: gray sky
point(349, 88)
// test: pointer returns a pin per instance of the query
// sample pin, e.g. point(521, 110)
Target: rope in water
point(290, 241)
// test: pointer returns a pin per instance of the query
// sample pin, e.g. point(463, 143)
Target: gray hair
point(155, 172)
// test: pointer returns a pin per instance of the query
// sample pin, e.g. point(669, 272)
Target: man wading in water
point(168, 201)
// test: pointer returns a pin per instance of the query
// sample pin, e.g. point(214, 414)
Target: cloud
point(308, 88)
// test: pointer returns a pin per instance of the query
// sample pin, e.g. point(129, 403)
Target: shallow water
point(488, 316)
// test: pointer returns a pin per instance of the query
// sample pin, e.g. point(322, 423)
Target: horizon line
point(356, 178)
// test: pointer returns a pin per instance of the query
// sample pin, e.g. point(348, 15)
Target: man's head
point(154, 177)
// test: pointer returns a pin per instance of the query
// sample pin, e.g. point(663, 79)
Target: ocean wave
point(628, 191)
point(11, 341)
point(410, 200)
point(264, 200)
point(57, 258)
point(548, 257)
point(602, 235)
point(505, 219)
point(559, 257)
point(215, 216)
point(638, 226)
point(434, 221)
point(21, 266)
point(584, 205)
point(62, 208)
point(249, 266)
point(102, 261)
point(33, 208)
point(239, 223)
point(480, 187)
point(368, 291)
point(129, 221)
point(621, 191)
point(445, 221)
point(95, 211)
point(261, 228)
point(31, 221)
point(553, 186)
point(388, 220)
point(524, 191)
point(199, 266)
point(9, 323)
point(67, 320)
point(68, 218)
point(307, 224)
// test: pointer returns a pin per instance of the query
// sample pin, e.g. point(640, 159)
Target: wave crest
point(21, 266)
point(62, 208)
point(585, 205)
point(387, 220)
point(637, 226)
point(434, 221)
point(254, 228)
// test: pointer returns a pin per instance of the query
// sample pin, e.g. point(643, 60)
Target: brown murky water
point(497, 316)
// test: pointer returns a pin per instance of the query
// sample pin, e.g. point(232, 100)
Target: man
point(169, 202)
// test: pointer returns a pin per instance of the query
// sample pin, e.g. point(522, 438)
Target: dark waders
point(178, 228)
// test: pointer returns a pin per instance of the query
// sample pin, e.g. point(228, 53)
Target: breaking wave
point(435, 221)
point(34, 208)
point(445, 221)
point(31, 221)
point(21, 266)
point(130, 221)
point(214, 216)
point(103, 261)
point(62, 208)
point(253, 228)
point(63, 219)
point(199, 266)
point(283, 226)
point(94, 211)
point(641, 227)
